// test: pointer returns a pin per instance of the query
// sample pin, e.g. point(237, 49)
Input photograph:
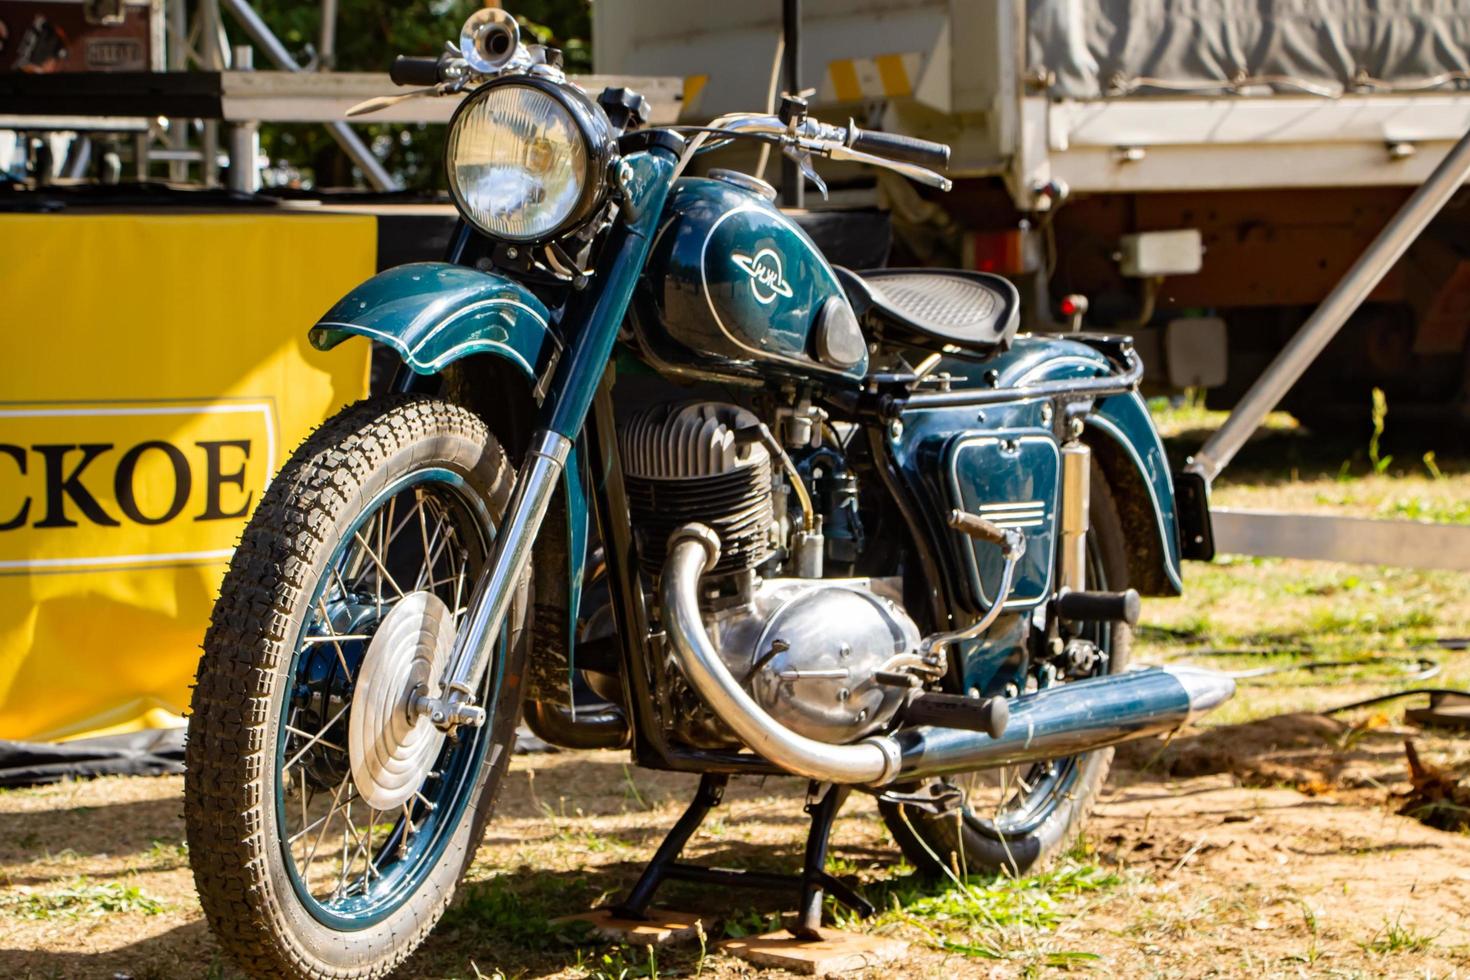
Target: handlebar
point(896, 146)
point(417, 71)
point(906, 155)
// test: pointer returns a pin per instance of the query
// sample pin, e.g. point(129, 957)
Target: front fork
point(596, 317)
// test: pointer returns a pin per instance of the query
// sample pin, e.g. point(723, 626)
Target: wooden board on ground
point(835, 952)
point(660, 928)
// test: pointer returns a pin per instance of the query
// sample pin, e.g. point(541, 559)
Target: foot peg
point(988, 715)
point(1099, 607)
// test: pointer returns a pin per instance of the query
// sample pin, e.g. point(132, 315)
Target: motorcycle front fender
point(435, 313)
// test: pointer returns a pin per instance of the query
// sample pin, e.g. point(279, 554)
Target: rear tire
point(971, 842)
point(259, 897)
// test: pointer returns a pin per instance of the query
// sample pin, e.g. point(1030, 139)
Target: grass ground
point(1264, 844)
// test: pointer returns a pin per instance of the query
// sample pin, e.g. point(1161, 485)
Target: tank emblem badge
point(767, 281)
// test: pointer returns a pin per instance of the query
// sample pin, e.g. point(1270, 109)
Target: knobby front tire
point(267, 760)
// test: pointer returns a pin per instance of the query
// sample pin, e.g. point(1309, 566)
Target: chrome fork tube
point(491, 600)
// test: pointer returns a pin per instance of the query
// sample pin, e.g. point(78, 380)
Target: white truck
point(1201, 173)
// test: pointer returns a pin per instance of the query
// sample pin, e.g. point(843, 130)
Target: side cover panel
point(1009, 477)
point(434, 313)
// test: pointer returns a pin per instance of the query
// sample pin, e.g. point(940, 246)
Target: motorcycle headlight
point(528, 158)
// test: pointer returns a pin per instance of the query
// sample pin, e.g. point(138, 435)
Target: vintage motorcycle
point(655, 475)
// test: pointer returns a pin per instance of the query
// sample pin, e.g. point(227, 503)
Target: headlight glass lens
point(518, 162)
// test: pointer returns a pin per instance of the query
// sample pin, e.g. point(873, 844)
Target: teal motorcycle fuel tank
point(735, 289)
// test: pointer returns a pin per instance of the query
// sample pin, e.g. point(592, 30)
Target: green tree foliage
point(369, 34)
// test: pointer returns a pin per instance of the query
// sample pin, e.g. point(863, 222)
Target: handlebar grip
point(896, 146)
point(416, 71)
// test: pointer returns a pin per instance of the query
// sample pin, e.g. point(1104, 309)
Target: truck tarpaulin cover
point(1113, 47)
point(156, 374)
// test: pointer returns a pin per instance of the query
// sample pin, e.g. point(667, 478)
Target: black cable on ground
point(1427, 668)
point(1431, 691)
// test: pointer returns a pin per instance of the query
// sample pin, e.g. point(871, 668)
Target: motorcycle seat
point(947, 310)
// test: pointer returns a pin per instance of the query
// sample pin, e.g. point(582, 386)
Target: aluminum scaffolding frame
point(1411, 544)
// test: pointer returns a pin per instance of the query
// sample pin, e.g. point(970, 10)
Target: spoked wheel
point(328, 822)
point(1016, 818)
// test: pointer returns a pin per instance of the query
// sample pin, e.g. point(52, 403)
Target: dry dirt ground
point(1265, 844)
point(1274, 851)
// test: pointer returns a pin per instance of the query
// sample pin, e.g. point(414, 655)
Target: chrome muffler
point(1076, 717)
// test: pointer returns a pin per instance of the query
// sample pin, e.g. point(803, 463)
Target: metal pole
point(793, 193)
point(1341, 303)
point(213, 54)
point(327, 46)
point(244, 138)
point(178, 60)
point(262, 35)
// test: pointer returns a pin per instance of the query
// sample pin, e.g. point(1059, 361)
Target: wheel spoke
point(341, 866)
point(333, 639)
point(306, 865)
point(317, 737)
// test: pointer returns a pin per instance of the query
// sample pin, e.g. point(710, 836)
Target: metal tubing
point(537, 480)
point(793, 188)
point(244, 138)
point(354, 147)
point(693, 549)
point(1076, 717)
point(1112, 384)
point(327, 44)
point(1076, 519)
point(605, 729)
point(809, 915)
point(711, 791)
point(1324, 323)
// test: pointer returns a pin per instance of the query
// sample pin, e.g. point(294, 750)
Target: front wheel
point(328, 824)
point(1015, 819)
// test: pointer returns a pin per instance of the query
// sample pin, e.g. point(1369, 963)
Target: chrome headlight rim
point(597, 134)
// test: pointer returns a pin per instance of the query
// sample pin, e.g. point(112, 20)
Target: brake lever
point(912, 171)
point(379, 102)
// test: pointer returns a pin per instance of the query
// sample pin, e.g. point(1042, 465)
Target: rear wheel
point(1017, 818)
point(328, 824)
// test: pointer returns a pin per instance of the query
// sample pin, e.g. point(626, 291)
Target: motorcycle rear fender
point(1127, 446)
point(435, 313)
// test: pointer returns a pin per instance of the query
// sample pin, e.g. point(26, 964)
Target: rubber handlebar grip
point(416, 71)
point(895, 146)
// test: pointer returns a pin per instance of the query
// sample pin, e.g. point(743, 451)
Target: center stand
point(814, 882)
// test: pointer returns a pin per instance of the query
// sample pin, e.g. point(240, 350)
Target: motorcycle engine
point(810, 651)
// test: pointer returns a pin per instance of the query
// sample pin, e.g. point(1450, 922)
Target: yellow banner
point(158, 375)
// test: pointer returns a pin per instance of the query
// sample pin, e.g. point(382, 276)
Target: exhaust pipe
point(1076, 717)
point(694, 548)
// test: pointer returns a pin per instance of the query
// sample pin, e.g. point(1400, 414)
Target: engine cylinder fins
point(683, 463)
